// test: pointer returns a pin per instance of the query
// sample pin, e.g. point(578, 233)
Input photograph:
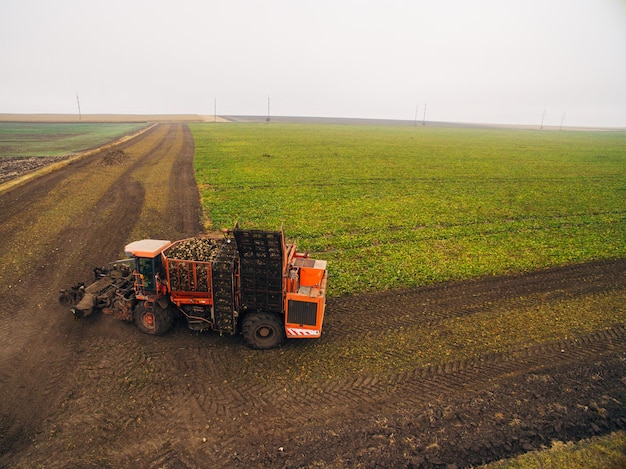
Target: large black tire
point(262, 331)
point(156, 321)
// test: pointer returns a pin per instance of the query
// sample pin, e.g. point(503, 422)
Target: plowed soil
point(98, 393)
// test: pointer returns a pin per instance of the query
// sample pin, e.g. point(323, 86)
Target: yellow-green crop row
point(606, 452)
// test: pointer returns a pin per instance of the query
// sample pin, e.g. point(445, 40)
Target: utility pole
point(416, 109)
point(80, 117)
point(562, 119)
point(268, 109)
point(542, 117)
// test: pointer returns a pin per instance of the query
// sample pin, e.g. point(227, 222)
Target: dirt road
point(100, 394)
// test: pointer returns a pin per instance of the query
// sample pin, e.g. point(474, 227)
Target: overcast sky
point(501, 61)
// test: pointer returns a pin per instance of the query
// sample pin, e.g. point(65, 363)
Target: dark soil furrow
point(41, 366)
point(443, 429)
point(421, 385)
point(431, 305)
point(184, 205)
point(438, 383)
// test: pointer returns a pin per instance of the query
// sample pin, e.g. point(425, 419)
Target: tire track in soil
point(515, 414)
point(108, 227)
point(184, 206)
point(382, 312)
point(22, 370)
point(173, 183)
point(145, 359)
point(431, 305)
point(423, 385)
point(333, 402)
point(364, 398)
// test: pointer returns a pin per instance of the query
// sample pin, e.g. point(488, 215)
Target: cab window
point(148, 268)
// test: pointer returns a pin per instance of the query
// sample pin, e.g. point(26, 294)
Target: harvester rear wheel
point(262, 331)
point(153, 320)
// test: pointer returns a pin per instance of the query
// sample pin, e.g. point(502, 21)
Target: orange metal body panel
point(305, 289)
point(302, 331)
point(310, 277)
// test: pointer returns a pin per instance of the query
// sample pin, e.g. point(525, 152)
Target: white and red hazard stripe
point(297, 332)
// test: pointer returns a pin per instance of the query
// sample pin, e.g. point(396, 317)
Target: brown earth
point(14, 167)
point(100, 394)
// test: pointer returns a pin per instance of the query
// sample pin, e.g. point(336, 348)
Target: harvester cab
point(153, 312)
point(149, 267)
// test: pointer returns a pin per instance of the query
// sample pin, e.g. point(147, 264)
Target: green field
point(393, 207)
point(58, 139)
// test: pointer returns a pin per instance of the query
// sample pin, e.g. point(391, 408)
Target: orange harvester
point(247, 282)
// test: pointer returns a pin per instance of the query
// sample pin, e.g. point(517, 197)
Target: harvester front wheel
point(262, 331)
point(153, 320)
